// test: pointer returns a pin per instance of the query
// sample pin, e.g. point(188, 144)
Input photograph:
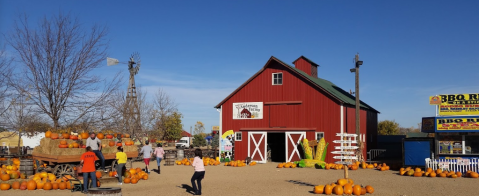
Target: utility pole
point(191, 128)
point(357, 63)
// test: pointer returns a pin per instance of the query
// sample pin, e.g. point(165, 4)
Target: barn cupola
point(307, 66)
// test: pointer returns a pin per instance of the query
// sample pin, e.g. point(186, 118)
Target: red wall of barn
point(303, 65)
point(317, 110)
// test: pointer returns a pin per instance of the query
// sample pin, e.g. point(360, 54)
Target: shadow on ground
point(187, 188)
point(300, 183)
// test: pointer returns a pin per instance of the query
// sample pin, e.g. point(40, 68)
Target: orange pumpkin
point(318, 189)
point(328, 189)
point(109, 136)
point(127, 180)
point(4, 186)
point(40, 184)
point(145, 177)
point(100, 136)
point(111, 143)
point(432, 175)
point(48, 134)
point(348, 189)
point(118, 144)
point(62, 185)
point(459, 174)
point(363, 191)
point(74, 137)
point(338, 190)
point(438, 171)
point(16, 185)
point(134, 180)
point(55, 186)
point(369, 189)
point(357, 190)
point(417, 174)
point(63, 142)
point(474, 175)
point(47, 186)
point(31, 185)
point(5, 177)
point(98, 174)
point(127, 135)
point(84, 135)
point(443, 175)
point(280, 165)
point(66, 136)
point(54, 136)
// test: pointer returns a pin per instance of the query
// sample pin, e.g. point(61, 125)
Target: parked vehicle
point(184, 142)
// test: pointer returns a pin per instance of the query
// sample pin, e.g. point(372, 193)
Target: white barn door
point(292, 142)
point(257, 146)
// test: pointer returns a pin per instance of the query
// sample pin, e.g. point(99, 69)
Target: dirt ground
point(265, 179)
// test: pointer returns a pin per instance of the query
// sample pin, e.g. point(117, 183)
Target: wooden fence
point(461, 165)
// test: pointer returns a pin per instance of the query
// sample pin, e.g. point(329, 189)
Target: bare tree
point(165, 107)
point(5, 72)
point(58, 58)
point(199, 128)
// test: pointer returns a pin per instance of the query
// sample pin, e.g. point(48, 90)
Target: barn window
point(277, 78)
point(238, 136)
point(319, 135)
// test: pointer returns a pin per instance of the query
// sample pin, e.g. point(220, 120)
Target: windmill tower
point(131, 110)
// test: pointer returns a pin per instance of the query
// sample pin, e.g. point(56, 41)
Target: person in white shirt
point(95, 145)
point(147, 153)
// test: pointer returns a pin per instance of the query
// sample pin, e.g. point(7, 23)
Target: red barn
point(281, 104)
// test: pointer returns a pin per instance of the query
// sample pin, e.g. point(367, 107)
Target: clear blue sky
point(200, 51)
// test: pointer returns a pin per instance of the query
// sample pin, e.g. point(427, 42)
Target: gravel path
point(265, 179)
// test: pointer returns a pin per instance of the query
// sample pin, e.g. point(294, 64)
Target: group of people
point(93, 150)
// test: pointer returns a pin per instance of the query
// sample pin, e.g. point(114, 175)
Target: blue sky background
point(200, 51)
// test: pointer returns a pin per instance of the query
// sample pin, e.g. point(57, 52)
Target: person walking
point(95, 145)
point(199, 171)
point(88, 161)
point(159, 152)
point(147, 153)
point(121, 158)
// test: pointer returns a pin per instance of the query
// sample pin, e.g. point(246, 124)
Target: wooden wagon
point(48, 157)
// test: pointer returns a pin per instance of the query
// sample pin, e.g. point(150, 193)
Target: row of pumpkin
point(84, 135)
point(417, 172)
point(343, 186)
point(64, 144)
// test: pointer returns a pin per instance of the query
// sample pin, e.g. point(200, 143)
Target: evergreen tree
point(216, 141)
point(199, 141)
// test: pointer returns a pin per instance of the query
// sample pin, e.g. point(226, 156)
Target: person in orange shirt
point(88, 161)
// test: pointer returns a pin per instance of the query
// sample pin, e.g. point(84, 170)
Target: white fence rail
point(461, 165)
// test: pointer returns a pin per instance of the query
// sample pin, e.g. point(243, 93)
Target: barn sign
point(248, 110)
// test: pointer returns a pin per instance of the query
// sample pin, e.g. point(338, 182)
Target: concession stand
point(455, 126)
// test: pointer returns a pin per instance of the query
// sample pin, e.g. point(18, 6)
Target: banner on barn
point(248, 110)
point(456, 104)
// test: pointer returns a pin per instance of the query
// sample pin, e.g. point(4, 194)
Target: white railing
point(373, 153)
point(455, 165)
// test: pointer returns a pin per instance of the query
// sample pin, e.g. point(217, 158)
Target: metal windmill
point(131, 112)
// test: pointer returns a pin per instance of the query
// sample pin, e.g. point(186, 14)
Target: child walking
point(199, 171)
point(121, 157)
point(159, 152)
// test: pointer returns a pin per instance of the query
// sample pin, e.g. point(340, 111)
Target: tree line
point(391, 127)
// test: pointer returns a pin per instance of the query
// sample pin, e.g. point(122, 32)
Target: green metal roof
point(334, 90)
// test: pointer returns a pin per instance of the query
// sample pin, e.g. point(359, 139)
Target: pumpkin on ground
point(474, 175)
point(369, 189)
point(328, 189)
point(348, 189)
point(16, 185)
point(4, 186)
point(134, 180)
point(47, 186)
point(417, 174)
point(432, 175)
point(338, 190)
point(126, 180)
point(31, 185)
point(55, 186)
point(62, 185)
point(145, 177)
point(98, 174)
point(319, 189)
point(357, 190)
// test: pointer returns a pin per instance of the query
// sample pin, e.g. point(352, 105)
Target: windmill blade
point(111, 61)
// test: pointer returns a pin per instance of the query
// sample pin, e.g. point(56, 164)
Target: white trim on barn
point(294, 143)
point(263, 138)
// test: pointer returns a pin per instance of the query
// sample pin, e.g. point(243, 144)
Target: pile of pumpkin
point(133, 175)
point(11, 172)
point(206, 161)
point(343, 186)
point(239, 163)
point(417, 172)
point(44, 180)
point(286, 165)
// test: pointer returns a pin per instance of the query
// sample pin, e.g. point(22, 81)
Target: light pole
point(356, 70)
